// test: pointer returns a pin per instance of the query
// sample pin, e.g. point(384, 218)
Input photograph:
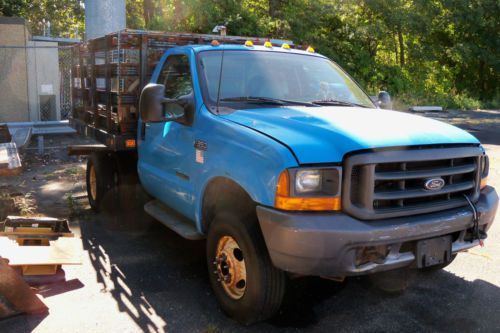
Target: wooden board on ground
point(64, 251)
point(10, 163)
point(16, 293)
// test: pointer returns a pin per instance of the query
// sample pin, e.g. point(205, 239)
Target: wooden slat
point(64, 251)
point(17, 293)
point(86, 149)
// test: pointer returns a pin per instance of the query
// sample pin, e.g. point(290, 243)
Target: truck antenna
point(222, 30)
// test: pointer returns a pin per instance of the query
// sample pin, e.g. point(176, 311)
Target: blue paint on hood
point(326, 134)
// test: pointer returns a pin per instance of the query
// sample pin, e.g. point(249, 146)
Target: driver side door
point(164, 148)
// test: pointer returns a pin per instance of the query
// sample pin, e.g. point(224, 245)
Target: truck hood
point(326, 134)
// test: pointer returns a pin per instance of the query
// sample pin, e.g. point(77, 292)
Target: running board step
point(173, 220)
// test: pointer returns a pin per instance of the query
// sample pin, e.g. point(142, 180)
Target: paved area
point(139, 276)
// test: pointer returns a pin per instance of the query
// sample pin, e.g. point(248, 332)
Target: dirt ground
point(137, 275)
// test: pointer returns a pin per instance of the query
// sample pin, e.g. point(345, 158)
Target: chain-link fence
point(35, 82)
point(65, 68)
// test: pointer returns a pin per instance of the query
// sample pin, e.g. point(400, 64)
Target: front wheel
point(247, 285)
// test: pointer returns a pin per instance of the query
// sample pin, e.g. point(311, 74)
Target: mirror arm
point(165, 100)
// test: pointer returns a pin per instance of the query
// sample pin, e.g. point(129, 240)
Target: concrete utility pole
point(103, 17)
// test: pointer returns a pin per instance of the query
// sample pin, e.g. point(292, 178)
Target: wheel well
point(223, 194)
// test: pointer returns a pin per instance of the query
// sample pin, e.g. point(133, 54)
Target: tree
point(429, 51)
point(66, 17)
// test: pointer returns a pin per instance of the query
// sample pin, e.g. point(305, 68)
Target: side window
point(176, 76)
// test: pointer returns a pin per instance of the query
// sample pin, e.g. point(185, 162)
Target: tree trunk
point(482, 79)
point(275, 7)
point(148, 6)
point(178, 12)
point(401, 47)
point(396, 60)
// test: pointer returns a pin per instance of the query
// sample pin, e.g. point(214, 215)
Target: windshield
point(271, 77)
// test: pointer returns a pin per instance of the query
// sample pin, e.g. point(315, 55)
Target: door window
point(176, 76)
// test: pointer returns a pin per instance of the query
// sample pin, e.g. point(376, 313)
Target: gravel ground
point(139, 276)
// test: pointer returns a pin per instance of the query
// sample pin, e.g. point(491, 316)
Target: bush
point(451, 101)
point(464, 102)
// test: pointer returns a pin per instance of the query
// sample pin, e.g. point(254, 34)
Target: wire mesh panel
point(65, 68)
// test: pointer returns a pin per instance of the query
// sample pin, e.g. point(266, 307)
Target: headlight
point(314, 189)
point(485, 169)
point(307, 181)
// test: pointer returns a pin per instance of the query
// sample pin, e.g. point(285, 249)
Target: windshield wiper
point(265, 100)
point(337, 102)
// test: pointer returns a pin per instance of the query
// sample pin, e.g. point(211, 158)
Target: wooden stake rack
point(109, 73)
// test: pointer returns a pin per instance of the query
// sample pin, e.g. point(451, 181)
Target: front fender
point(248, 158)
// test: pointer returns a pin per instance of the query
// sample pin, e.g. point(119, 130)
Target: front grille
point(391, 183)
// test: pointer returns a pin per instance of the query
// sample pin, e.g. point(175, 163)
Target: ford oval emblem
point(434, 184)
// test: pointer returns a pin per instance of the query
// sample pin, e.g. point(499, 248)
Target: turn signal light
point(309, 204)
point(483, 183)
point(130, 143)
point(286, 202)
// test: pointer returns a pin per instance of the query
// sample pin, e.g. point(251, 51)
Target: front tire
point(247, 285)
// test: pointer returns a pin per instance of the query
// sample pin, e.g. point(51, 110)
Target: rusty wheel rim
point(93, 182)
point(230, 267)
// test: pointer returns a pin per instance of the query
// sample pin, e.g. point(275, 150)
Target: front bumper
point(326, 244)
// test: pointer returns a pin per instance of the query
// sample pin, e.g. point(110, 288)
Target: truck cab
point(286, 166)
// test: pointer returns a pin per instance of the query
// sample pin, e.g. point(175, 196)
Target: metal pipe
point(103, 17)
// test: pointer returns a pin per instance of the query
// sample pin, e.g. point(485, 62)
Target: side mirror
point(154, 107)
point(384, 100)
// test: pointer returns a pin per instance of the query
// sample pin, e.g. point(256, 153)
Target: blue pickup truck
point(286, 166)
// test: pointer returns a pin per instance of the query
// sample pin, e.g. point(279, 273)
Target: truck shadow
point(160, 280)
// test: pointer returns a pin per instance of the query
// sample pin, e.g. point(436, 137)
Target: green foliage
point(422, 51)
point(66, 17)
